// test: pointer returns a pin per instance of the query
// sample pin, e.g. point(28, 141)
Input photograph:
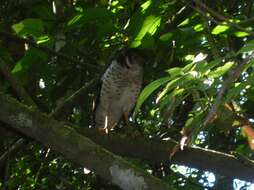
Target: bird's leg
point(126, 118)
point(104, 129)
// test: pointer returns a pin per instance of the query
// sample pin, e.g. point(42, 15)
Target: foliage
point(192, 53)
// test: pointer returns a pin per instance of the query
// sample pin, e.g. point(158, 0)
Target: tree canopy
point(193, 118)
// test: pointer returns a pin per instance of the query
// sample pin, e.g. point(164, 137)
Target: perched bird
point(121, 84)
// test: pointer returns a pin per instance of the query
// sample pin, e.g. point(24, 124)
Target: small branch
point(12, 151)
point(45, 49)
point(211, 40)
point(222, 18)
point(41, 166)
point(16, 86)
point(65, 107)
point(234, 75)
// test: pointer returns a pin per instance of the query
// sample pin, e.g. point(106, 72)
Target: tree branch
point(81, 150)
point(234, 75)
point(64, 108)
point(17, 88)
point(76, 147)
point(45, 49)
point(13, 150)
point(221, 17)
point(157, 151)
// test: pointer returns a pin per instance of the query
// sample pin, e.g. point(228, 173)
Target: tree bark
point(75, 146)
point(157, 151)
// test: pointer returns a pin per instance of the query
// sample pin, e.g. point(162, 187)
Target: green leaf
point(220, 29)
point(188, 67)
point(177, 92)
point(172, 84)
point(145, 5)
point(148, 90)
point(147, 42)
point(219, 71)
point(198, 28)
point(184, 23)
point(241, 34)
point(23, 66)
point(91, 15)
point(43, 39)
point(76, 19)
point(235, 91)
point(175, 71)
point(150, 25)
point(204, 67)
point(249, 46)
point(166, 37)
point(29, 26)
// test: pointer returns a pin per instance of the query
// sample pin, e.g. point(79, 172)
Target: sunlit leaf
point(249, 46)
point(75, 19)
point(188, 67)
point(198, 28)
point(204, 67)
point(185, 22)
point(219, 71)
point(220, 29)
point(241, 34)
point(29, 26)
point(43, 39)
point(172, 84)
point(146, 5)
point(148, 90)
point(150, 25)
point(175, 71)
point(177, 92)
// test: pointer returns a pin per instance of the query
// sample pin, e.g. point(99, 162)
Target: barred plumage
point(121, 84)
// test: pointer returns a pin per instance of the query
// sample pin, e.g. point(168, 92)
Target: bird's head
point(131, 58)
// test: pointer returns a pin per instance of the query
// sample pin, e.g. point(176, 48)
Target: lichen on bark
point(127, 179)
point(22, 120)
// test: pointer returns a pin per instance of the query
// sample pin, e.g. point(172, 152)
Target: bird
point(121, 84)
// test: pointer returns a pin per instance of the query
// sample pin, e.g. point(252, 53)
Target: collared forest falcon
point(121, 84)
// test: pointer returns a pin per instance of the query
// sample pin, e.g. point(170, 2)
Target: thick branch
point(157, 151)
point(53, 134)
point(75, 147)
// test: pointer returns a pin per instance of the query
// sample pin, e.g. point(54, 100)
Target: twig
point(16, 86)
point(45, 49)
point(235, 74)
point(246, 21)
point(60, 109)
point(41, 166)
point(13, 150)
point(221, 17)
